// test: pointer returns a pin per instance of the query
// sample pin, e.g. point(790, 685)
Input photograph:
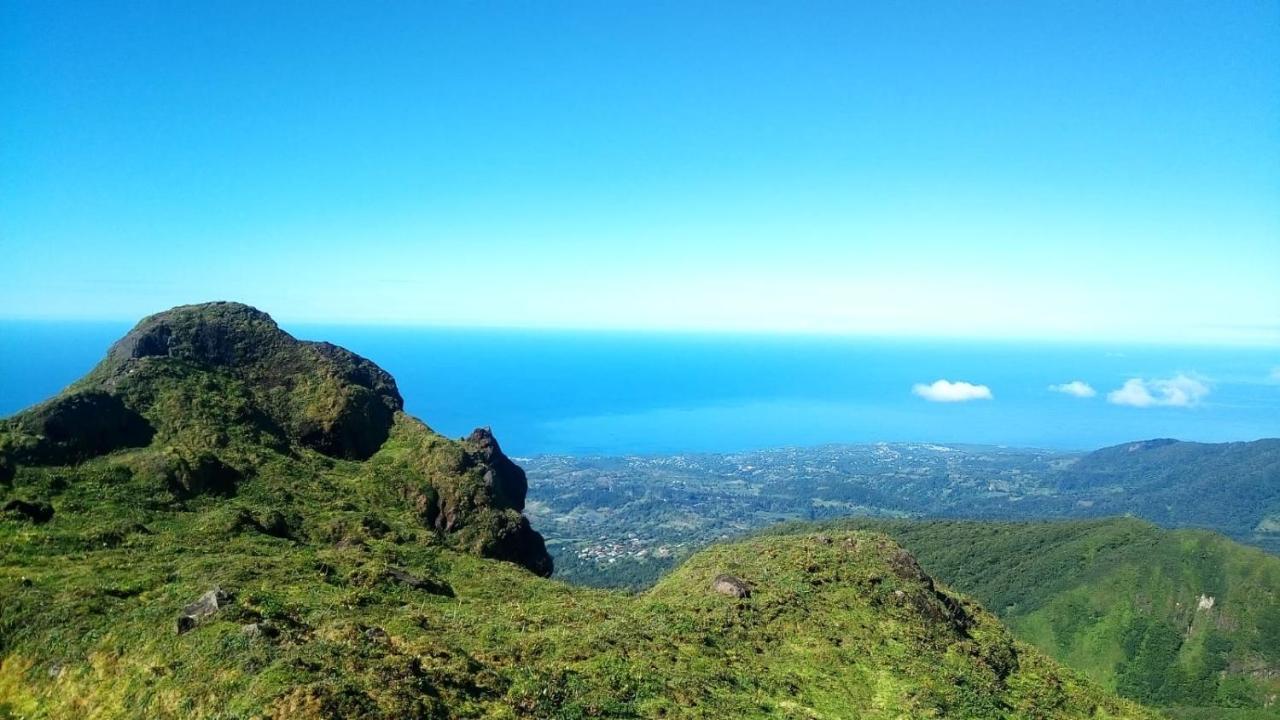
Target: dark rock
point(204, 606)
point(731, 586)
point(218, 333)
point(185, 623)
point(508, 480)
point(906, 567)
point(362, 421)
point(80, 426)
point(514, 540)
point(7, 471)
point(36, 512)
point(322, 396)
point(204, 474)
point(426, 585)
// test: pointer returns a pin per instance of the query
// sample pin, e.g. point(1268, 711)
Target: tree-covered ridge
point(199, 529)
point(1181, 619)
point(1233, 488)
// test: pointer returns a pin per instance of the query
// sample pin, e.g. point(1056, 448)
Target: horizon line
point(1251, 343)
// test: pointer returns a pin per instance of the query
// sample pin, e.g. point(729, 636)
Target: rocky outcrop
point(214, 396)
point(319, 395)
point(732, 586)
point(505, 479)
point(204, 606)
point(470, 493)
point(78, 426)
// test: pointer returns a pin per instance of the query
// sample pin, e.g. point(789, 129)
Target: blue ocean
point(623, 393)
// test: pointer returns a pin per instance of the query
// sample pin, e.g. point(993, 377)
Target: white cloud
point(1177, 391)
point(1075, 388)
point(946, 391)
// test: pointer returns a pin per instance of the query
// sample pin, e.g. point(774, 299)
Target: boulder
point(204, 606)
point(732, 586)
point(36, 512)
point(259, 630)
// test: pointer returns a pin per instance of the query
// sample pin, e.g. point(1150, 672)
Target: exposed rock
point(906, 567)
point(259, 630)
point(508, 480)
point(323, 396)
point(36, 512)
point(206, 605)
point(79, 426)
point(511, 538)
point(204, 474)
point(426, 585)
point(731, 586)
point(476, 505)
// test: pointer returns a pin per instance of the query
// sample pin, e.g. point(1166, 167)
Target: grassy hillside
point(221, 521)
point(1182, 619)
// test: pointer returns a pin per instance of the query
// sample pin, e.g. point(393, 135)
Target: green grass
point(1120, 601)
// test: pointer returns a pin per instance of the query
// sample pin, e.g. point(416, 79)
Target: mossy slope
point(348, 544)
point(1183, 619)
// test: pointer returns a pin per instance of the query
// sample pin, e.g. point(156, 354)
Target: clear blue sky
point(1024, 169)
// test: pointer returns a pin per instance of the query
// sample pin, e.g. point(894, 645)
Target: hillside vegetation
point(221, 521)
point(1183, 619)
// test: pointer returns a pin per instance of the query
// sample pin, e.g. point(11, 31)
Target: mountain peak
point(215, 396)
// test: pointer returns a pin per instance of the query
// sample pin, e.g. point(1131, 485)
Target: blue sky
point(1073, 170)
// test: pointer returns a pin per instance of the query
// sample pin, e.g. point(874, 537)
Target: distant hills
point(223, 521)
point(622, 521)
point(1233, 488)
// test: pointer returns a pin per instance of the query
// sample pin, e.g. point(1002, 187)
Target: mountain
point(1182, 619)
point(1233, 488)
point(223, 521)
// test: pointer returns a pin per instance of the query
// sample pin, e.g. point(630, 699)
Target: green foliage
point(1181, 619)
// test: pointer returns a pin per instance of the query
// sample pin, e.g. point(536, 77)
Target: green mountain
point(1183, 619)
point(223, 521)
point(1233, 488)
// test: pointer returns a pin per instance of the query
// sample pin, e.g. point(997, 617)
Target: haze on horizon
point(1049, 170)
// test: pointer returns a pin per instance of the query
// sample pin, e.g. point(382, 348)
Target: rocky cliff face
point(201, 399)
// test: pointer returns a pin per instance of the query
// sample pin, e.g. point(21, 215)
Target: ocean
point(635, 393)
